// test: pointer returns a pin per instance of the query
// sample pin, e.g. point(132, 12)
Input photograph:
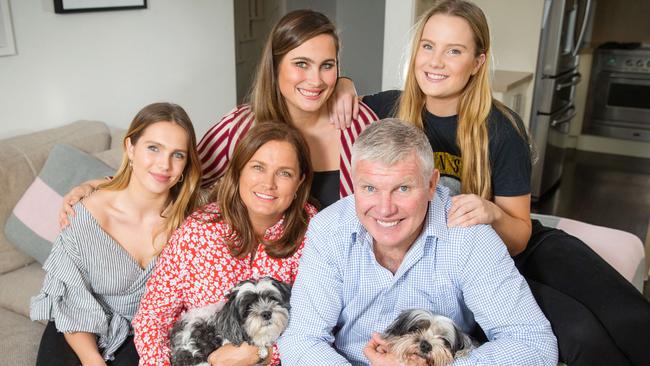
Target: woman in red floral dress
point(253, 227)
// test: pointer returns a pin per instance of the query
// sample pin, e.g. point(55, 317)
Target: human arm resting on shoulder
point(75, 195)
point(510, 169)
point(219, 141)
point(502, 304)
point(509, 217)
point(343, 104)
point(161, 304)
point(316, 303)
point(84, 346)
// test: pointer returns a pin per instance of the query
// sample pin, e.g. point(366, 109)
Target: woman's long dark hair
point(243, 240)
point(292, 30)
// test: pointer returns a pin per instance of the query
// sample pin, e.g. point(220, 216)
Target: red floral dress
point(196, 269)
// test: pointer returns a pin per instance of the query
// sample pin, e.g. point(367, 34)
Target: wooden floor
point(603, 189)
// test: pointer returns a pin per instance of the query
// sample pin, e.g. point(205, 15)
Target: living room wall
point(107, 65)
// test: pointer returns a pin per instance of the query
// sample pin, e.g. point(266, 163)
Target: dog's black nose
point(266, 315)
point(425, 347)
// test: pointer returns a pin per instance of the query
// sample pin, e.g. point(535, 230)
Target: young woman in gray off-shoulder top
point(99, 264)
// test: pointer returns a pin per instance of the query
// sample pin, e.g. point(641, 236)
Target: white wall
point(360, 24)
point(397, 24)
point(515, 28)
point(361, 27)
point(107, 65)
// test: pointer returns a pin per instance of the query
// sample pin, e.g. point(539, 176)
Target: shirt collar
point(274, 232)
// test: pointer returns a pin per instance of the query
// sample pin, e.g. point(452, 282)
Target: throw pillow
point(33, 224)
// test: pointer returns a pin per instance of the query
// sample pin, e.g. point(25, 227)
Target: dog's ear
point(463, 341)
point(232, 295)
point(285, 290)
point(232, 320)
point(406, 323)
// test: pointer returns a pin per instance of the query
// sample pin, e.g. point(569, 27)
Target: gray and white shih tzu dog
point(419, 337)
point(256, 312)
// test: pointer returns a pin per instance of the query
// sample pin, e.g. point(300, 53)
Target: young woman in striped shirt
point(99, 264)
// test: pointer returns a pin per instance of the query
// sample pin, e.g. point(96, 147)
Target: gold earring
point(182, 178)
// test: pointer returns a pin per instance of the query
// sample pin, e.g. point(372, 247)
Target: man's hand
point(376, 352)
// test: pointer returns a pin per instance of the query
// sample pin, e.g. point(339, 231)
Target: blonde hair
point(183, 195)
point(292, 30)
point(475, 101)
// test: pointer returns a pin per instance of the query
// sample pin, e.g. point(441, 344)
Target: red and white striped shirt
point(218, 144)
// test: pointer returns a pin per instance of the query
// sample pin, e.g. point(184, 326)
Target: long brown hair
point(183, 195)
point(292, 30)
point(243, 240)
point(475, 101)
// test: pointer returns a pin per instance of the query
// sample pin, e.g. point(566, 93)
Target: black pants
point(598, 317)
point(55, 351)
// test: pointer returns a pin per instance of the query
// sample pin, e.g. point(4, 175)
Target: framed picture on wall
point(78, 6)
point(7, 45)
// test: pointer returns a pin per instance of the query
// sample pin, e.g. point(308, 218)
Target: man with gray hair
point(388, 249)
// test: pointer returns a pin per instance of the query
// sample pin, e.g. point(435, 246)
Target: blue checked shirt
point(465, 274)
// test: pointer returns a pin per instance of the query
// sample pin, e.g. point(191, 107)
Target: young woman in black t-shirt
point(483, 151)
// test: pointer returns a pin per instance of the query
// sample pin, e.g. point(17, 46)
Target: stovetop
point(630, 57)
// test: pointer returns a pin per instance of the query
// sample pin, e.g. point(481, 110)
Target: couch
point(21, 277)
point(21, 160)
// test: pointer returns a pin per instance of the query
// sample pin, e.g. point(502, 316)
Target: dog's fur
point(419, 337)
point(256, 312)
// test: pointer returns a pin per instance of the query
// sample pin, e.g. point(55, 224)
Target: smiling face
point(269, 182)
point(158, 157)
point(445, 60)
point(392, 201)
point(307, 75)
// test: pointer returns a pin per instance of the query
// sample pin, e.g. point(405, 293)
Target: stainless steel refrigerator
point(565, 24)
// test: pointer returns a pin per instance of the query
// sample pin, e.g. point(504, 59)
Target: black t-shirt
point(509, 153)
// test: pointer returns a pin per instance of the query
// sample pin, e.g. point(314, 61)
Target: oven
point(619, 99)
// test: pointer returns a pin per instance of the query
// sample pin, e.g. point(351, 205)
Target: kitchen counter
point(513, 89)
point(505, 81)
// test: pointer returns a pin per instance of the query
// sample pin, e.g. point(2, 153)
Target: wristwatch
point(262, 353)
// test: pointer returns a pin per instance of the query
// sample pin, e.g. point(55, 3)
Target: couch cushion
point(22, 157)
point(33, 224)
point(17, 288)
point(19, 339)
point(112, 157)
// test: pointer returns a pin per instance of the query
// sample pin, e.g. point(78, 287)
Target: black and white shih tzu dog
point(419, 337)
point(256, 312)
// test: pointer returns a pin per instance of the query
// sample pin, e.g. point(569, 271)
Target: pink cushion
point(622, 250)
point(33, 224)
point(46, 201)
